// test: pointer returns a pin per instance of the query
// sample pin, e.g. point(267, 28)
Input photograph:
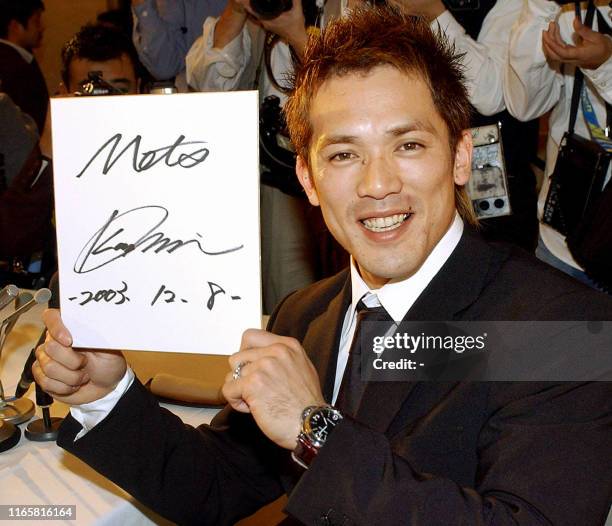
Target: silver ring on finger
point(238, 370)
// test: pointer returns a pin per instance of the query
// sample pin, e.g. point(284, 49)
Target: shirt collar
point(25, 54)
point(398, 296)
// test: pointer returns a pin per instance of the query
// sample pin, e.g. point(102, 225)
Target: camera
point(269, 9)
point(96, 85)
point(488, 186)
point(276, 152)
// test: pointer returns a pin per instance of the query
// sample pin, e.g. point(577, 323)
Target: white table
point(42, 473)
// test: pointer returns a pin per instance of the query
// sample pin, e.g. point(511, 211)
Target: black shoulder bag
point(577, 204)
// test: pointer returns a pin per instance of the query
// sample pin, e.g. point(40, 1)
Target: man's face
point(382, 170)
point(30, 36)
point(119, 72)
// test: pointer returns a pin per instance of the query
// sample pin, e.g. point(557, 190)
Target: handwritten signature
point(115, 239)
point(145, 160)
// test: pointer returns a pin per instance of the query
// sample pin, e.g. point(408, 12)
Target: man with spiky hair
point(378, 118)
point(21, 31)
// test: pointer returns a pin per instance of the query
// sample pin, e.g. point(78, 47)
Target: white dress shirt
point(395, 296)
point(533, 86)
point(164, 30)
point(228, 68)
point(484, 59)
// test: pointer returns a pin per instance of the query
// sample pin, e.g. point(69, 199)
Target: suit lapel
point(323, 338)
point(457, 285)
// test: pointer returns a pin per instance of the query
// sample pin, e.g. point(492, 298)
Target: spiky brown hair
point(368, 37)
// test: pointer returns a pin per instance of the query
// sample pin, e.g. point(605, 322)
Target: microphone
point(54, 302)
point(20, 301)
point(42, 399)
point(45, 428)
point(8, 294)
point(26, 376)
point(6, 328)
point(15, 411)
point(41, 296)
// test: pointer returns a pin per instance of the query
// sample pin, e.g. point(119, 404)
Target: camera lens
point(268, 9)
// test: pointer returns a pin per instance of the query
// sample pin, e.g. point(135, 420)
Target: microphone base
point(9, 435)
point(17, 411)
point(37, 431)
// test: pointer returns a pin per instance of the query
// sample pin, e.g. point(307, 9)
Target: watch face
point(320, 423)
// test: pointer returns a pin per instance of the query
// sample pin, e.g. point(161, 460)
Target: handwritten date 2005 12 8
point(119, 295)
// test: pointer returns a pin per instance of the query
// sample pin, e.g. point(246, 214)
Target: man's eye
point(410, 146)
point(341, 156)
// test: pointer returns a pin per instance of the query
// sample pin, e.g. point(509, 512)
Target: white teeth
point(383, 224)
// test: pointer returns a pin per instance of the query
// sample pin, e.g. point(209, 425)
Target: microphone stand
point(44, 429)
point(19, 410)
point(13, 411)
point(9, 432)
point(9, 435)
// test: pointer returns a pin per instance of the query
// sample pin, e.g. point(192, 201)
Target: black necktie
point(352, 386)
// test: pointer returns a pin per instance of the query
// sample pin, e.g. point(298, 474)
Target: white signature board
point(157, 216)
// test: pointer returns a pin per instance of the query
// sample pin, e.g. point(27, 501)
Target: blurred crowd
point(520, 59)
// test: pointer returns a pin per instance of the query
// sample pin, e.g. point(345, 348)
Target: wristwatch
point(317, 424)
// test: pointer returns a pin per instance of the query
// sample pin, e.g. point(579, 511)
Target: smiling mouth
point(385, 224)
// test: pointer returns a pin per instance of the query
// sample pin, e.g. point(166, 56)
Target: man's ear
point(15, 28)
point(463, 159)
point(303, 173)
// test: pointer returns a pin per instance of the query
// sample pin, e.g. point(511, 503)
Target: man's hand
point(71, 376)
point(290, 26)
point(592, 49)
point(277, 382)
point(430, 9)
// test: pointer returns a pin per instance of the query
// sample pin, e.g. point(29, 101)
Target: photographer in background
point(98, 60)
point(548, 46)
point(480, 29)
point(252, 45)
point(98, 47)
point(165, 30)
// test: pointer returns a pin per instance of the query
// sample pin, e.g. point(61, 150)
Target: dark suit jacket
point(24, 83)
point(417, 453)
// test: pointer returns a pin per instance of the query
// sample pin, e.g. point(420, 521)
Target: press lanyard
point(598, 134)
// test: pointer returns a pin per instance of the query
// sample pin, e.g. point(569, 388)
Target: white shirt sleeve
point(601, 78)
point(214, 69)
point(484, 59)
point(91, 414)
point(531, 85)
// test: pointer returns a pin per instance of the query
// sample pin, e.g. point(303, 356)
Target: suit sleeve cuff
point(320, 496)
point(91, 414)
